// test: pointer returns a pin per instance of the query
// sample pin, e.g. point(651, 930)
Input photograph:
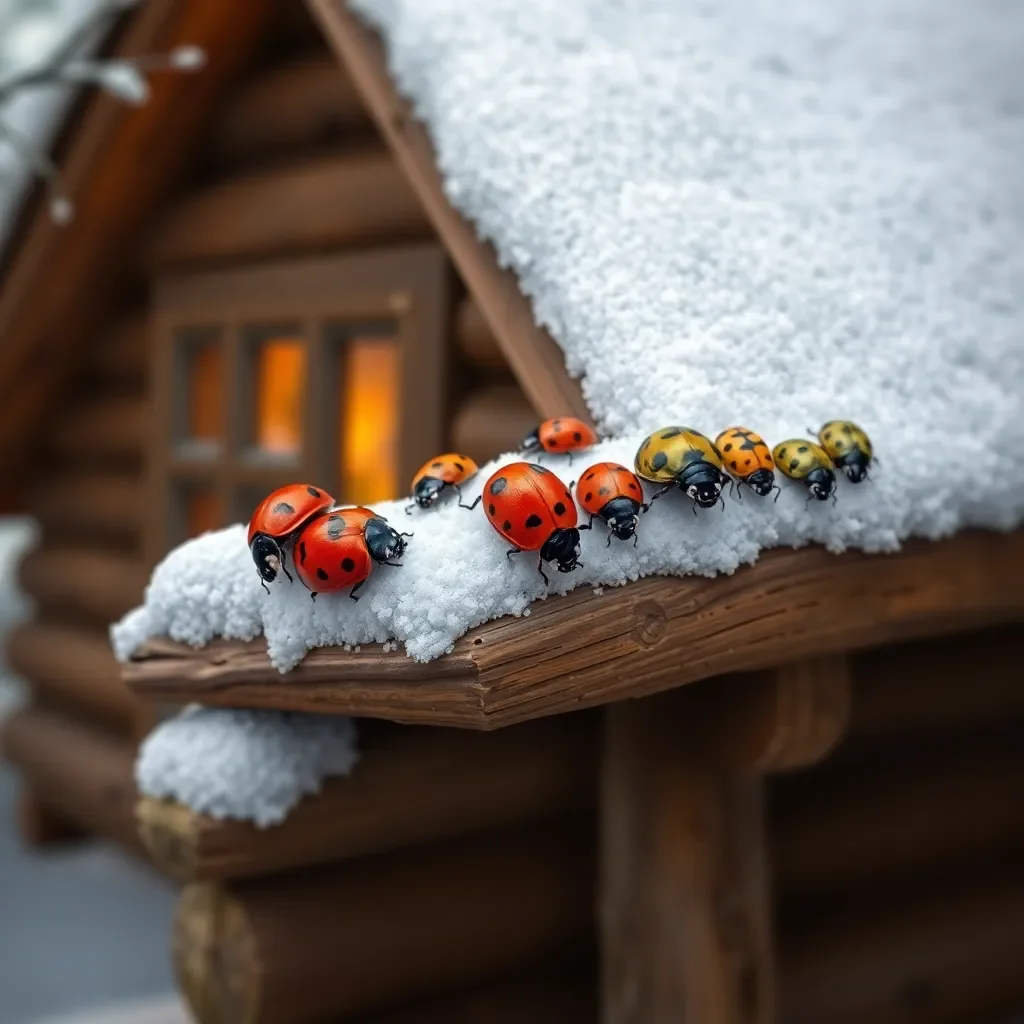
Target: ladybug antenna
point(778, 491)
point(407, 535)
point(263, 584)
point(409, 508)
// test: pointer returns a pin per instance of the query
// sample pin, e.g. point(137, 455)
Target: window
point(328, 370)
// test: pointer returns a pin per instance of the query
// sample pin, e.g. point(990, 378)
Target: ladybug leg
point(352, 592)
point(778, 491)
point(738, 488)
point(644, 509)
point(835, 498)
point(540, 569)
point(609, 544)
point(636, 539)
point(693, 508)
point(722, 500)
point(462, 504)
point(570, 457)
point(589, 525)
point(664, 490)
point(312, 595)
point(511, 552)
point(394, 565)
point(263, 584)
point(409, 508)
point(407, 535)
point(284, 568)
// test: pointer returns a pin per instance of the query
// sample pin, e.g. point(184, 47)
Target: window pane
point(368, 442)
point(199, 409)
point(277, 390)
point(197, 509)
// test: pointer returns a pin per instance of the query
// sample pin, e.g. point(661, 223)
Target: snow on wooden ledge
point(588, 648)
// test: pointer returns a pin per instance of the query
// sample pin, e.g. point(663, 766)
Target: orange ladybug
point(340, 549)
point(748, 460)
point(613, 494)
point(278, 517)
point(449, 470)
point(563, 435)
point(533, 510)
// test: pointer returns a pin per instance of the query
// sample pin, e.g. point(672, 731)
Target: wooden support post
point(40, 825)
point(685, 902)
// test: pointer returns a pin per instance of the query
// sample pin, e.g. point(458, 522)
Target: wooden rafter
point(534, 356)
point(584, 650)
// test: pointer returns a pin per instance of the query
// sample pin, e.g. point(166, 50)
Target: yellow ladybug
point(848, 447)
point(748, 460)
point(801, 459)
point(683, 458)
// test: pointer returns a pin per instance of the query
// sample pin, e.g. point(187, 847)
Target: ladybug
point(683, 458)
point(803, 460)
point(564, 434)
point(534, 511)
point(848, 447)
point(434, 476)
point(613, 494)
point(277, 519)
point(749, 460)
point(340, 549)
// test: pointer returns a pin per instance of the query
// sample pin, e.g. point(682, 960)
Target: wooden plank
point(84, 775)
point(73, 668)
point(89, 582)
point(475, 339)
point(953, 955)
point(121, 355)
point(103, 430)
point(96, 506)
point(492, 420)
point(352, 938)
point(324, 203)
point(411, 786)
point(685, 909)
point(308, 102)
point(122, 162)
point(535, 358)
point(584, 650)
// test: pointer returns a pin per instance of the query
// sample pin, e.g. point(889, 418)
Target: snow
point(249, 765)
point(748, 212)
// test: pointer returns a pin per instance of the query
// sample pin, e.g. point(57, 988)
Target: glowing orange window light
point(202, 512)
point(205, 384)
point(280, 394)
point(368, 443)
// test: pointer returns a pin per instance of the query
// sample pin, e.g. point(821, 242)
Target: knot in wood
point(650, 622)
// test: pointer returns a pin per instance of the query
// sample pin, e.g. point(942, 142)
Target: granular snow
point(726, 212)
point(249, 765)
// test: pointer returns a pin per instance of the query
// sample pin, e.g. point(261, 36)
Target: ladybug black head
point(822, 483)
point(384, 543)
point(531, 442)
point(702, 482)
point(855, 466)
point(621, 515)
point(427, 491)
point(563, 548)
point(761, 482)
point(266, 553)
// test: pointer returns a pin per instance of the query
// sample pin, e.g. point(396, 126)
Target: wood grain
point(411, 786)
point(475, 339)
point(352, 938)
point(324, 203)
point(584, 650)
point(121, 354)
point(685, 917)
point(287, 110)
point(535, 359)
point(103, 431)
point(83, 774)
point(101, 585)
point(98, 506)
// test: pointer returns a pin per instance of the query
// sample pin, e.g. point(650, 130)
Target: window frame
point(408, 287)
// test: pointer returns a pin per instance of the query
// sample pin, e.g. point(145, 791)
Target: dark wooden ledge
point(583, 649)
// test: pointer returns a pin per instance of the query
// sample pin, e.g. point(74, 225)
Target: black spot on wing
point(671, 432)
point(490, 509)
point(590, 494)
point(660, 460)
point(793, 463)
point(559, 509)
point(803, 448)
point(589, 476)
point(302, 552)
point(436, 465)
point(506, 526)
point(538, 469)
point(321, 574)
point(577, 436)
point(728, 447)
point(533, 521)
point(633, 486)
point(497, 486)
point(347, 564)
point(460, 467)
point(604, 490)
point(312, 492)
point(282, 508)
point(335, 526)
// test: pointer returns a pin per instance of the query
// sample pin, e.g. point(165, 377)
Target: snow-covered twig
point(124, 79)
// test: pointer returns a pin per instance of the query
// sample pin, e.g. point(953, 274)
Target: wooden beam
point(308, 102)
point(121, 163)
point(953, 955)
point(492, 420)
point(103, 430)
point(411, 786)
point(94, 506)
point(40, 826)
point(535, 358)
point(858, 827)
point(84, 775)
point(327, 203)
point(475, 339)
point(90, 582)
point(121, 356)
point(74, 668)
point(353, 938)
point(685, 916)
point(584, 649)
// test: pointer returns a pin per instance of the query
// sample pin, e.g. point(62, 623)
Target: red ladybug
point(613, 494)
point(440, 472)
point(534, 511)
point(278, 517)
point(564, 434)
point(339, 549)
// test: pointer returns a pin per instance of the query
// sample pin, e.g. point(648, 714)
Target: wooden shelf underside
point(584, 650)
